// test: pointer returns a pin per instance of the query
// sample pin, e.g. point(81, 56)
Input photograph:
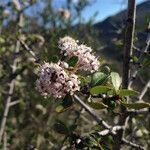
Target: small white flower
point(63, 64)
point(67, 45)
point(54, 80)
point(87, 61)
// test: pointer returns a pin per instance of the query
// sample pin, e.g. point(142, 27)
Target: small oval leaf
point(97, 105)
point(116, 80)
point(73, 61)
point(99, 89)
point(66, 104)
point(98, 78)
point(60, 127)
point(139, 105)
point(59, 109)
point(125, 92)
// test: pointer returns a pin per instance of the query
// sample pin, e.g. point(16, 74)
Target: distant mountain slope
point(112, 31)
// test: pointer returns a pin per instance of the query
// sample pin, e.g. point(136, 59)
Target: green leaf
point(139, 105)
point(111, 92)
point(54, 59)
point(60, 127)
point(99, 89)
point(105, 69)
point(116, 80)
point(98, 78)
point(97, 105)
point(73, 61)
point(72, 127)
point(125, 92)
point(59, 109)
point(66, 103)
point(135, 59)
point(2, 41)
point(82, 79)
point(146, 60)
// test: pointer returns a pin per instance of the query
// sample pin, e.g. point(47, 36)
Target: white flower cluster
point(67, 45)
point(54, 80)
point(87, 61)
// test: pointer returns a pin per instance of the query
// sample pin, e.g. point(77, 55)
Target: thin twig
point(136, 146)
point(26, 47)
point(5, 141)
point(112, 129)
point(115, 129)
point(143, 51)
point(144, 90)
point(6, 109)
point(93, 114)
point(14, 103)
point(137, 112)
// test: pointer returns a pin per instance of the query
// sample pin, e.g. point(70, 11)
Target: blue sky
point(104, 8)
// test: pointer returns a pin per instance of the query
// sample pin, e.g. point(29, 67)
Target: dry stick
point(6, 109)
point(93, 114)
point(5, 141)
point(144, 90)
point(14, 103)
point(137, 112)
point(143, 51)
point(126, 68)
point(8, 100)
point(12, 85)
point(27, 48)
point(110, 129)
point(136, 146)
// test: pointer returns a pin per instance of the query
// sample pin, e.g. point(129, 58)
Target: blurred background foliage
point(30, 122)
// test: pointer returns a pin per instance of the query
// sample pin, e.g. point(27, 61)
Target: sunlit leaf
point(125, 92)
point(66, 103)
point(98, 78)
point(116, 80)
point(99, 89)
point(97, 105)
point(139, 105)
point(59, 108)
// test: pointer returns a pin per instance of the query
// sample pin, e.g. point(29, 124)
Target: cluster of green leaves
point(110, 85)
